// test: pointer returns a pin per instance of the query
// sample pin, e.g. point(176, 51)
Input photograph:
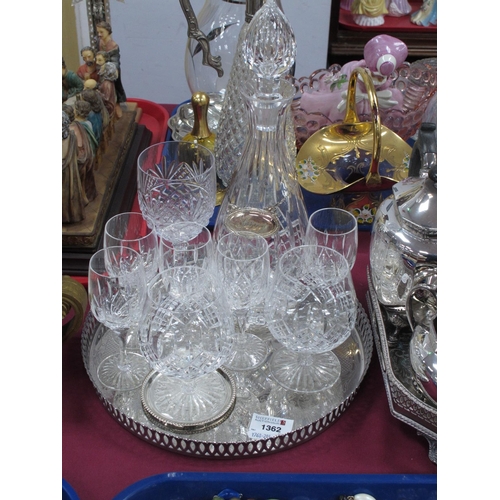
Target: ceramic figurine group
point(91, 99)
point(372, 12)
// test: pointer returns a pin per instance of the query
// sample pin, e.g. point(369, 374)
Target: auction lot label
point(265, 426)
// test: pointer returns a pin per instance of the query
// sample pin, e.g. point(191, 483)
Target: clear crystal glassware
point(243, 268)
point(186, 335)
point(334, 228)
point(264, 195)
point(129, 229)
point(176, 182)
point(197, 251)
point(268, 31)
point(117, 293)
point(310, 310)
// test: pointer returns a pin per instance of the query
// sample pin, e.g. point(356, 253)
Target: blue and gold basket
point(353, 165)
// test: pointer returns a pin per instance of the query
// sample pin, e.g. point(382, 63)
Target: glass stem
point(188, 386)
point(124, 337)
point(304, 359)
point(241, 320)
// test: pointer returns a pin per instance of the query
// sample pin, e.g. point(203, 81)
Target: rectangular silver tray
point(406, 403)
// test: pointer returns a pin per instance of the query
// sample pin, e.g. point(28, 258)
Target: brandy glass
point(310, 311)
point(334, 228)
point(117, 292)
point(243, 268)
point(197, 251)
point(129, 229)
point(176, 182)
point(186, 335)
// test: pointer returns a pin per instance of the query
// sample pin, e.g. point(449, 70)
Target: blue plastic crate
point(203, 486)
point(68, 493)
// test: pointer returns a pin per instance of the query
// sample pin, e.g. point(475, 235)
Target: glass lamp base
point(188, 406)
point(123, 373)
point(302, 372)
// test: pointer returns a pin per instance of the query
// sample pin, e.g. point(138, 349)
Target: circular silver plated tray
point(256, 393)
point(407, 401)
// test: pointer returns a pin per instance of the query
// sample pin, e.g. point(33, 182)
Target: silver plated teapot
point(403, 258)
point(404, 233)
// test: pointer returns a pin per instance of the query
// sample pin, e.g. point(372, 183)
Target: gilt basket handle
point(351, 116)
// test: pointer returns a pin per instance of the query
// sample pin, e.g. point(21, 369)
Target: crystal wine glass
point(334, 228)
point(186, 335)
point(176, 182)
point(310, 311)
point(197, 251)
point(117, 292)
point(130, 230)
point(243, 268)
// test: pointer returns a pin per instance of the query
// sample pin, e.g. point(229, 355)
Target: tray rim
point(231, 450)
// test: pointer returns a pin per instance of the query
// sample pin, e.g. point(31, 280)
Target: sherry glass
point(197, 251)
point(243, 268)
point(117, 292)
point(310, 310)
point(334, 228)
point(176, 182)
point(130, 229)
point(186, 335)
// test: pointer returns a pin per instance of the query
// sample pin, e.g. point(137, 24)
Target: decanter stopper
point(269, 48)
point(233, 125)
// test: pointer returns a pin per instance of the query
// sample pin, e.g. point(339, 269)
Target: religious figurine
point(107, 130)
point(107, 44)
point(90, 84)
point(72, 197)
point(85, 156)
point(369, 12)
point(101, 58)
point(82, 110)
point(95, 116)
point(71, 83)
point(426, 15)
point(89, 68)
point(108, 75)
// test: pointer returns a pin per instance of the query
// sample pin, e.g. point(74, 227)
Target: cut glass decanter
point(264, 196)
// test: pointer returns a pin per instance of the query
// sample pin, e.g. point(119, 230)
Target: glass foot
point(189, 406)
point(305, 372)
point(248, 354)
point(123, 374)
